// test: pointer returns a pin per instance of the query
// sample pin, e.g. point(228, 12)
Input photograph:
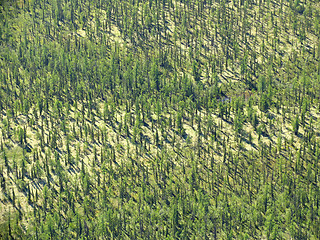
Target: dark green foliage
point(159, 119)
point(295, 125)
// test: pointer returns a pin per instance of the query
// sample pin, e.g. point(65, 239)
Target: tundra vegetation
point(159, 119)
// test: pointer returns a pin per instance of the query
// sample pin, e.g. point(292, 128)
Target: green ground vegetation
point(159, 119)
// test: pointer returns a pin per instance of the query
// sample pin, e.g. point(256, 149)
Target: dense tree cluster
point(148, 119)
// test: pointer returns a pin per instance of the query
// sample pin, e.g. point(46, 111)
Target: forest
point(159, 119)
